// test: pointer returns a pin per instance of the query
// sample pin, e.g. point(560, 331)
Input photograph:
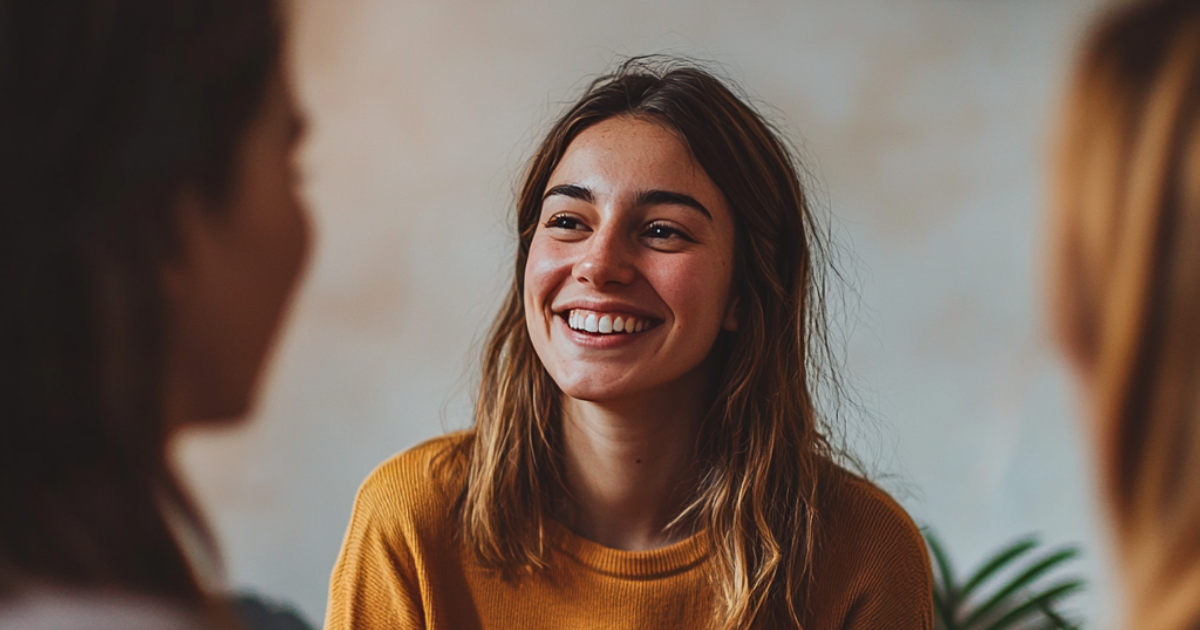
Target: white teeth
point(605, 324)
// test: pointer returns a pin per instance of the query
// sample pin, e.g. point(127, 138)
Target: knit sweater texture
point(403, 565)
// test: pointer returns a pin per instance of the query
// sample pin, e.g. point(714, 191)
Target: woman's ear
point(730, 323)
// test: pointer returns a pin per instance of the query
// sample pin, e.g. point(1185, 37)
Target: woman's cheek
point(545, 267)
point(698, 291)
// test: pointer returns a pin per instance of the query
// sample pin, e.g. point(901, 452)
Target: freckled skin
point(668, 259)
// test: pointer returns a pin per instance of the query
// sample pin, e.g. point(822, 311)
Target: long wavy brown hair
point(1126, 291)
point(760, 445)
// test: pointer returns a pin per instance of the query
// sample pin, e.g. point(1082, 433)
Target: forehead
point(627, 153)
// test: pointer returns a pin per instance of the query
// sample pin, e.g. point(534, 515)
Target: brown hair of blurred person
point(1126, 291)
point(149, 240)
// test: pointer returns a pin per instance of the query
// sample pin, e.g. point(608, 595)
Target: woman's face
point(629, 275)
point(238, 264)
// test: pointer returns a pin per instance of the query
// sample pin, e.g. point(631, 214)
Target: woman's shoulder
point(423, 480)
point(864, 524)
point(871, 568)
point(403, 519)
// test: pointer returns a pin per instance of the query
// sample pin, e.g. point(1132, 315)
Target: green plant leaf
point(1013, 604)
point(945, 614)
point(946, 573)
point(997, 562)
point(1037, 603)
point(1047, 623)
point(1021, 581)
point(1056, 621)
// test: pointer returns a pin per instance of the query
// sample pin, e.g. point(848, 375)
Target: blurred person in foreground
point(150, 238)
point(647, 449)
point(1126, 292)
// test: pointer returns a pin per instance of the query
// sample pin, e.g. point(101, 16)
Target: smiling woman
point(625, 236)
point(646, 451)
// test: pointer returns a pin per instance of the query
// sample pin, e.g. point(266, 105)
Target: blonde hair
point(1126, 290)
point(760, 446)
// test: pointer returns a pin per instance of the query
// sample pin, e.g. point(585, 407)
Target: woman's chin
point(217, 410)
point(598, 391)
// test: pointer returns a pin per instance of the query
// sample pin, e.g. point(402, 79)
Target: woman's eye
point(564, 222)
point(663, 231)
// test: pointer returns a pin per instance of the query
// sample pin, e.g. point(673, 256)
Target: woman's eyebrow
point(660, 197)
point(573, 191)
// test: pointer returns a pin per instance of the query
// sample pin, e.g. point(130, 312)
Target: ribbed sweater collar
point(656, 563)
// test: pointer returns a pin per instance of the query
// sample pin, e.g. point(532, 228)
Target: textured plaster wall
point(924, 123)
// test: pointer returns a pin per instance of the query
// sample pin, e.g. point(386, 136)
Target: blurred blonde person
point(1126, 291)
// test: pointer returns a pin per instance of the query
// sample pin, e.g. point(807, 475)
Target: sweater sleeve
point(374, 583)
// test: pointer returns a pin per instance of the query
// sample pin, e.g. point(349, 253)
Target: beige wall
point(924, 121)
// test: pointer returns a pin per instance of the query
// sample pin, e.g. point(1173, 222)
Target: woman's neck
point(630, 466)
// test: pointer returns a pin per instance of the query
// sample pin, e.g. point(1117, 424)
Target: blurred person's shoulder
point(45, 608)
point(419, 486)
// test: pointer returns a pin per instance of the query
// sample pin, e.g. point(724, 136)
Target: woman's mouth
point(606, 323)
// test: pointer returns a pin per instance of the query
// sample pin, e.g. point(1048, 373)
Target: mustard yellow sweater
point(403, 566)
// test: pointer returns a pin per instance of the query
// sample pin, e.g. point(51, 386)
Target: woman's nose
point(608, 259)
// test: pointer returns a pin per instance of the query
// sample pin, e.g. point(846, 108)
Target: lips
point(601, 323)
